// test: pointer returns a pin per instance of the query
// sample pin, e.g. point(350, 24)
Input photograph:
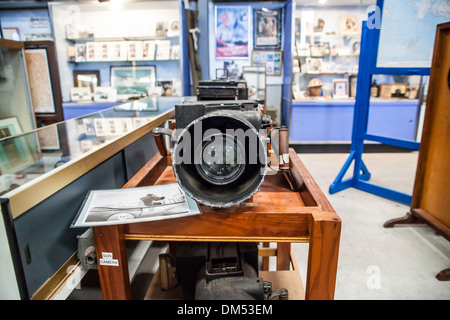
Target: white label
point(107, 260)
point(284, 158)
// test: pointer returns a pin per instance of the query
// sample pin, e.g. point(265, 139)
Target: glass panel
point(408, 29)
point(256, 82)
point(15, 104)
point(26, 156)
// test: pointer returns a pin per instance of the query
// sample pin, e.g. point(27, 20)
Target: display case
point(135, 49)
point(46, 173)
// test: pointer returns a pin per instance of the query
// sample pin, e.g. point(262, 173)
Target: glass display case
point(27, 156)
point(46, 174)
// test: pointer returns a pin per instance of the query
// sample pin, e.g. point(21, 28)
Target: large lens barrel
point(220, 159)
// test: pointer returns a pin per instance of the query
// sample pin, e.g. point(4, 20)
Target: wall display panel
point(408, 30)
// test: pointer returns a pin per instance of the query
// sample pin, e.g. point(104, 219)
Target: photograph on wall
point(272, 60)
point(132, 81)
point(314, 65)
point(231, 32)
point(268, 29)
point(349, 25)
point(116, 206)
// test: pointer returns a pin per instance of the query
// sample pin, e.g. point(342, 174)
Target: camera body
point(190, 111)
point(220, 155)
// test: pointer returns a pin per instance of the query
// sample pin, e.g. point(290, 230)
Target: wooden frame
point(76, 73)
point(430, 202)
point(273, 214)
point(47, 118)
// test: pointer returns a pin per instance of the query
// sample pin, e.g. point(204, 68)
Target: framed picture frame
point(349, 25)
point(232, 25)
point(78, 94)
point(11, 34)
point(268, 28)
point(105, 94)
point(340, 88)
point(86, 79)
point(43, 73)
point(132, 81)
point(320, 49)
point(314, 65)
point(272, 60)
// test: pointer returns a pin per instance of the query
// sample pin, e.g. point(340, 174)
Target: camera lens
point(220, 159)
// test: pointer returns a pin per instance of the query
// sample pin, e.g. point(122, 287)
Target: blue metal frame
point(185, 64)
point(368, 68)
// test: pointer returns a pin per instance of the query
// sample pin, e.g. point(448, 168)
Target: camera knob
point(266, 121)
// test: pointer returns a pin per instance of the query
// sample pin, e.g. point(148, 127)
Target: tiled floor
point(376, 262)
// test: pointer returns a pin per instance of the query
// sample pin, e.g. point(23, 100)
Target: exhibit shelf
point(46, 174)
point(320, 120)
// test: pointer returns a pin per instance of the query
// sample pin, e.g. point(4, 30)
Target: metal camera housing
point(220, 156)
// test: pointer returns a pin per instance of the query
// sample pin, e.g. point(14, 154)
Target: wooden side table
point(274, 214)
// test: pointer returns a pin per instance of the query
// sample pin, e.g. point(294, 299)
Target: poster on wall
point(272, 60)
point(268, 29)
point(231, 32)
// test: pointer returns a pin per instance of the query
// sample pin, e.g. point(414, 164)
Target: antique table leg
point(112, 262)
point(325, 229)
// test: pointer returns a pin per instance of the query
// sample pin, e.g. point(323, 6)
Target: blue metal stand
point(368, 68)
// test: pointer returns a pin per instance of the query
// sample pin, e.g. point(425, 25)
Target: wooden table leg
point(325, 229)
point(112, 262)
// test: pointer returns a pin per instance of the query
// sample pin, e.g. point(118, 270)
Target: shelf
point(111, 39)
point(110, 61)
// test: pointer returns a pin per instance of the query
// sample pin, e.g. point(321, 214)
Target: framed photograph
point(15, 154)
point(162, 50)
point(80, 52)
point(272, 60)
point(268, 28)
point(386, 90)
point(92, 51)
point(232, 27)
point(132, 81)
point(38, 70)
point(135, 50)
point(314, 65)
point(349, 25)
point(86, 79)
point(80, 94)
point(11, 34)
point(340, 88)
point(117, 51)
point(320, 49)
point(48, 138)
point(162, 27)
point(105, 94)
point(148, 50)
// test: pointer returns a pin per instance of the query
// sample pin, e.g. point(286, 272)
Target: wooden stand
point(274, 214)
point(431, 197)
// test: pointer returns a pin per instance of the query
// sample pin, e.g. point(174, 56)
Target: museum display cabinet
point(111, 52)
point(325, 76)
point(46, 173)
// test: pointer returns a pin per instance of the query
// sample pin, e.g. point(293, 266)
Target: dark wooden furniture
point(431, 195)
point(274, 214)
